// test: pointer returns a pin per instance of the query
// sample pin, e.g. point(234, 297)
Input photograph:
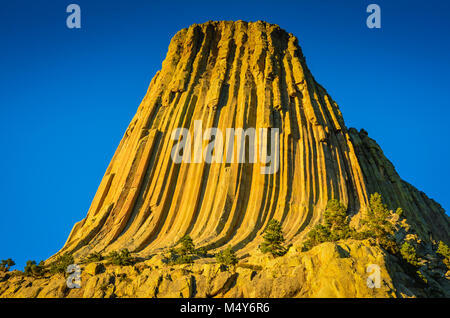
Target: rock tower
point(239, 75)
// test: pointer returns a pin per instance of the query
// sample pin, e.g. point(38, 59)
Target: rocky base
point(328, 270)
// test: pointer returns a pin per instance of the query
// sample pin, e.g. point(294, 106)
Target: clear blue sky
point(67, 96)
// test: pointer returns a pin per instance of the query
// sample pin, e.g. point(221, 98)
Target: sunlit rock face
point(239, 75)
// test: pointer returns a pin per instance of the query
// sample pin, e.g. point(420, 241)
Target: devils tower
point(240, 75)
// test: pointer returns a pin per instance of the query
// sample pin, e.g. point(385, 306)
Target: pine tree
point(319, 234)
point(335, 226)
point(409, 254)
point(273, 239)
point(61, 264)
point(33, 269)
point(186, 251)
point(227, 257)
point(376, 222)
point(93, 257)
point(187, 245)
point(122, 258)
point(336, 220)
point(5, 265)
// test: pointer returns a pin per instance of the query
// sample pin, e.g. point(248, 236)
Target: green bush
point(182, 259)
point(335, 226)
point(409, 254)
point(226, 257)
point(201, 252)
point(336, 221)
point(376, 222)
point(5, 265)
point(444, 251)
point(61, 264)
point(187, 245)
point(93, 257)
point(317, 235)
point(33, 269)
point(273, 239)
point(122, 258)
point(185, 251)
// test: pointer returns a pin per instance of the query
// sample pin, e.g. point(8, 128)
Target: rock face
point(238, 75)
